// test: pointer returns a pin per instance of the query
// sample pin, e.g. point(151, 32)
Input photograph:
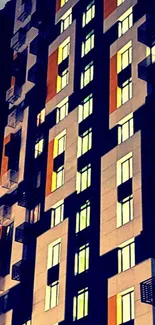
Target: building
point(77, 172)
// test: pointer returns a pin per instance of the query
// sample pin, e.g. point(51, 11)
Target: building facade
point(77, 172)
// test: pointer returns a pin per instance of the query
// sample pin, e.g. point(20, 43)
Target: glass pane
point(80, 306)
point(126, 308)
point(126, 259)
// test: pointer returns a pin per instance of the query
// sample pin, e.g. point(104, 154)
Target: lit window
point(41, 117)
point(62, 110)
point(27, 323)
point(89, 14)
point(125, 22)
point(126, 91)
point(124, 168)
point(52, 292)
point(87, 75)
point(85, 142)
point(59, 177)
point(54, 253)
point(60, 143)
point(88, 43)
point(38, 148)
point(83, 217)
point(63, 80)
point(63, 2)
point(82, 259)
point(84, 178)
point(80, 304)
point(125, 128)
point(86, 108)
point(35, 214)
point(124, 56)
point(126, 255)
point(119, 2)
point(125, 306)
point(66, 20)
point(124, 211)
point(57, 214)
point(64, 50)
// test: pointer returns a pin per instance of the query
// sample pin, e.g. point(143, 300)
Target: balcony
point(24, 11)
point(3, 304)
point(22, 233)
point(147, 291)
point(21, 269)
point(5, 213)
point(9, 179)
point(13, 94)
point(15, 118)
point(146, 33)
point(18, 39)
point(146, 69)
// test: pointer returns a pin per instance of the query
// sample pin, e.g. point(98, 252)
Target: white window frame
point(83, 217)
point(88, 43)
point(82, 259)
point(85, 142)
point(126, 255)
point(125, 211)
point(84, 178)
point(125, 128)
point(52, 294)
point(87, 75)
point(54, 253)
point(88, 14)
point(57, 213)
point(80, 308)
point(85, 108)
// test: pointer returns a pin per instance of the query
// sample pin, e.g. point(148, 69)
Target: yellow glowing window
point(124, 211)
point(124, 168)
point(64, 50)
point(57, 213)
point(84, 178)
point(80, 308)
point(63, 2)
point(85, 108)
point(125, 22)
point(88, 14)
point(125, 128)
point(82, 259)
point(126, 255)
point(54, 250)
point(124, 56)
point(51, 296)
point(85, 142)
point(125, 306)
point(62, 110)
point(83, 217)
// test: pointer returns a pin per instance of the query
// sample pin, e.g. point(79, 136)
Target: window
point(66, 20)
point(125, 128)
point(124, 56)
point(41, 117)
point(64, 50)
point(85, 142)
point(57, 214)
point(84, 178)
point(62, 110)
point(126, 91)
point(125, 22)
point(80, 304)
point(124, 211)
point(83, 217)
point(27, 323)
point(63, 2)
point(38, 148)
point(124, 168)
point(63, 80)
point(119, 2)
point(54, 253)
point(35, 214)
point(52, 292)
point(59, 177)
point(87, 75)
point(82, 259)
point(86, 108)
point(89, 14)
point(88, 43)
point(126, 255)
point(60, 143)
point(125, 303)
